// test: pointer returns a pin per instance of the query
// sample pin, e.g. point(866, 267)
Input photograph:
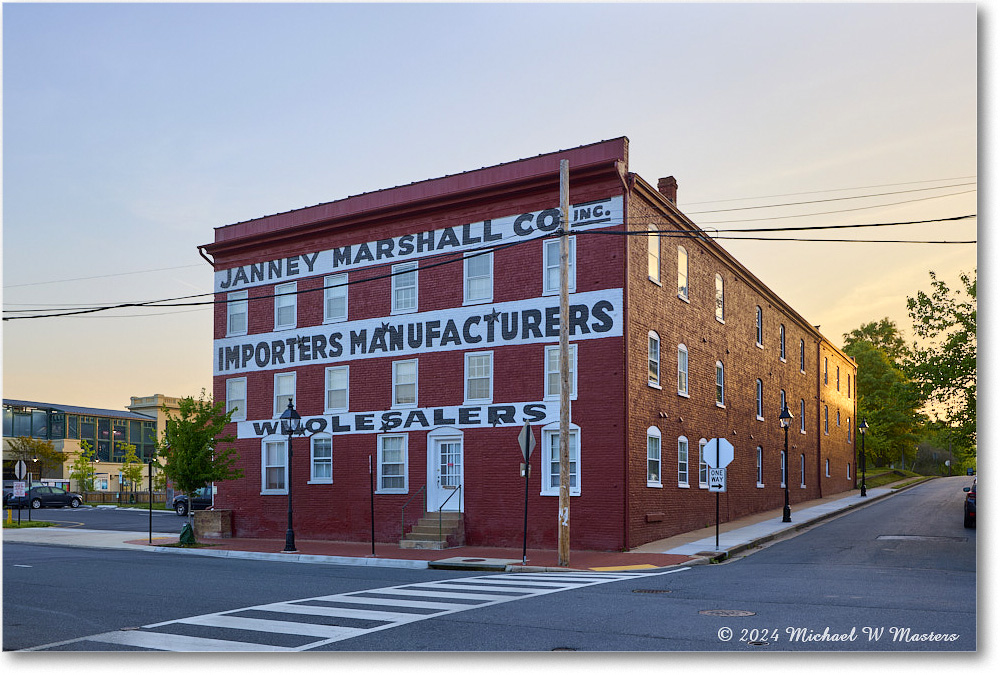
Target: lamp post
point(862, 428)
point(291, 424)
point(785, 419)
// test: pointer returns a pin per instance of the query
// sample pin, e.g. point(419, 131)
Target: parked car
point(970, 505)
point(201, 500)
point(44, 495)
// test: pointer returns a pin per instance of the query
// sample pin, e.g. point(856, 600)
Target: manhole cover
point(650, 590)
point(727, 612)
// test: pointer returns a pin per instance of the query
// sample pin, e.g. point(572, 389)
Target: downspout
point(627, 183)
point(819, 408)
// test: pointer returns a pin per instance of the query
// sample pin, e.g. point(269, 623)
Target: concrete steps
point(429, 533)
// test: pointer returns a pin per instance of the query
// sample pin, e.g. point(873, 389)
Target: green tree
point(192, 445)
point(82, 469)
point(944, 361)
point(39, 455)
point(887, 399)
point(131, 466)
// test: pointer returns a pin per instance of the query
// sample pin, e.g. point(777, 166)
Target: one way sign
point(716, 480)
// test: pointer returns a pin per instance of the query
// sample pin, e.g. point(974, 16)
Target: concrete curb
point(754, 543)
point(297, 558)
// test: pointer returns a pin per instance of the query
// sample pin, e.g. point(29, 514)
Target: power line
point(100, 276)
point(813, 192)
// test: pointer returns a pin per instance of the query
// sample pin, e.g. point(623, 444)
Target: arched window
point(654, 465)
point(654, 359)
point(682, 273)
point(760, 327)
point(720, 300)
point(720, 384)
point(682, 370)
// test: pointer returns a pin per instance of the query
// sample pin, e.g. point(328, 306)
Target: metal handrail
point(458, 489)
point(402, 524)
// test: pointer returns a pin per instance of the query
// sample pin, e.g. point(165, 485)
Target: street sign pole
point(526, 439)
point(717, 499)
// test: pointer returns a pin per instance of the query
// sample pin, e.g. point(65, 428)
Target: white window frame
point(849, 428)
point(802, 416)
point(826, 420)
point(314, 461)
point(683, 291)
point(399, 273)
point(281, 461)
point(396, 384)
point(828, 469)
point(760, 467)
point(381, 464)
point(240, 403)
point(802, 356)
point(654, 255)
point(327, 389)
point(237, 305)
point(654, 455)
point(550, 249)
point(784, 469)
point(759, 327)
point(683, 368)
point(781, 343)
point(783, 402)
point(720, 299)
point(468, 376)
point(702, 464)
point(550, 432)
point(720, 384)
point(467, 279)
point(654, 360)
point(280, 400)
point(285, 297)
point(760, 399)
point(802, 470)
point(552, 393)
point(683, 462)
point(335, 288)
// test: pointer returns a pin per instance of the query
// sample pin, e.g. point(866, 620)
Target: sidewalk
point(696, 547)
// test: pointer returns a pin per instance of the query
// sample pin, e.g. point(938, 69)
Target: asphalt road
point(898, 575)
point(103, 518)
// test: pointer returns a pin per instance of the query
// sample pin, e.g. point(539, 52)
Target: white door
point(445, 475)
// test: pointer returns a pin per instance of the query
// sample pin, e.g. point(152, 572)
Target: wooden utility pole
point(564, 383)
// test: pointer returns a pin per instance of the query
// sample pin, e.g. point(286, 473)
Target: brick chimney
point(668, 188)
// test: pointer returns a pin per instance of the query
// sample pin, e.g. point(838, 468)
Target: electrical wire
point(813, 192)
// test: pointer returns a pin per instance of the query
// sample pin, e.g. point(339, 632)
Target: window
point(826, 420)
point(802, 471)
point(802, 415)
point(784, 469)
point(702, 464)
point(720, 306)
point(682, 370)
point(404, 384)
point(284, 389)
point(838, 417)
point(654, 360)
point(682, 273)
point(848, 385)
point(848, 469)
point(552, 372)
point(284, 306)
point(550, 266)
point(654, 255)
point(682, 462)
point(550, 460)
point(838, 378)
point(404, 288)
point(802, 356)
point(478, 278)
point(720, 384)
point(479, 377)
point(760, 327)
point(653, 476)
point(392, 456)
point(335, 298)
point(321, 460)
point(781, 341)
point(826, 370)
point(337, 389)
point(274, 472)
point(828, 469)
point(760, 400)
point(760, 466)
point(236, 397)
point(236, 313)
point(849, 429)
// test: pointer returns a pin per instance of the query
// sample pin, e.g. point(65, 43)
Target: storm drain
point(727, 612)
point(650, 590)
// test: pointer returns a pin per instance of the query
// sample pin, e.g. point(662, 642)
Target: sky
point(130, 131)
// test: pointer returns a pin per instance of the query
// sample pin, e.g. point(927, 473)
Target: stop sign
point(718, 453)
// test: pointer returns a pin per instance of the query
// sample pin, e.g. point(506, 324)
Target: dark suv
point(201, 500)
point(970, 505)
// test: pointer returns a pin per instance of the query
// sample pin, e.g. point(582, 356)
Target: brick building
point(416, 329)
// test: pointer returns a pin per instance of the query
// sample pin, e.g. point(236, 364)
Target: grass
point(13, 524)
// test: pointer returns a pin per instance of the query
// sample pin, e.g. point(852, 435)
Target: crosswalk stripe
point(369, 605)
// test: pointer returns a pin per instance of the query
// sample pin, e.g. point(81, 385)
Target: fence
point(137, 497)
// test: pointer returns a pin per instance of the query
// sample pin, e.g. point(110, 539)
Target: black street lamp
point(862, 428)
point(785, 418)
point(291, 424)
